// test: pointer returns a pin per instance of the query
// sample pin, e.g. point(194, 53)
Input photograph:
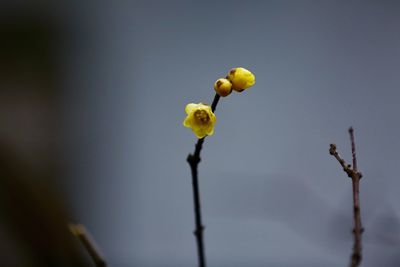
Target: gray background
point(271, 194)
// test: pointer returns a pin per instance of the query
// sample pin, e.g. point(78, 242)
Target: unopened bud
point(223, 87)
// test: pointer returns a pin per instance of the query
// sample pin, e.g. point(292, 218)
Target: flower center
point(201, 116)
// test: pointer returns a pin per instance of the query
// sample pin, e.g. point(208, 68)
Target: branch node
point(198, 231)
point(349, 172)
point(193, 160)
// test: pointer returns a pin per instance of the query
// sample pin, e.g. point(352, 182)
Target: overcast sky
point(271, 193)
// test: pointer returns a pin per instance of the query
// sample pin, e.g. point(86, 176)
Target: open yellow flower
point(241, 79)
point(200, 118)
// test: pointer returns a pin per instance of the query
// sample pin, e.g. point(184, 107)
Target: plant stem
point(356, 257)
point(193, 160)
point(355, 176)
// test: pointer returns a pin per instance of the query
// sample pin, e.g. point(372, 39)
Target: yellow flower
point(223, 87)
point(241, 79)
point(200, 118)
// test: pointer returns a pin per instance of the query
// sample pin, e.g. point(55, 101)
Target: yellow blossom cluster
point(238, 79)
point(200, 117)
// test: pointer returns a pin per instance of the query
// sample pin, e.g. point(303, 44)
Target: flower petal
point(187, 122)
point(200, 133)
point(190, 107)
point(211, 131)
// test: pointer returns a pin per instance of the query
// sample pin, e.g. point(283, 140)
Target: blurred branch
point(80, 231)
point(193, 160)
point(355, 176)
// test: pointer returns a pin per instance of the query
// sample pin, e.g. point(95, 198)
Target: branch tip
point(332, 149)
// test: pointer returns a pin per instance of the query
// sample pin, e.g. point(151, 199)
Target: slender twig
point(80, 231)
point(193, 160)
point(355, 176)
point(215, 102)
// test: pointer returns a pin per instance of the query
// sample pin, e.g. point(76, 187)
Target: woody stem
point(193, 160)
point(356, 176)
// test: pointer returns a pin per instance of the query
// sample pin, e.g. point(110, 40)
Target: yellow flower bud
point(223, 87)
point(241, 79)
point(200, 119)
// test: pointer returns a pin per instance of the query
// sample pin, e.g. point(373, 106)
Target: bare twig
point(355, 176)
point(193, 160)
point(80, 231)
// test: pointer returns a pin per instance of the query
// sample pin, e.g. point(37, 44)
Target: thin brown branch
point(353, 148)
point(80, 231)
point(355, 176)
point(346, 167)
point(193, 160)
